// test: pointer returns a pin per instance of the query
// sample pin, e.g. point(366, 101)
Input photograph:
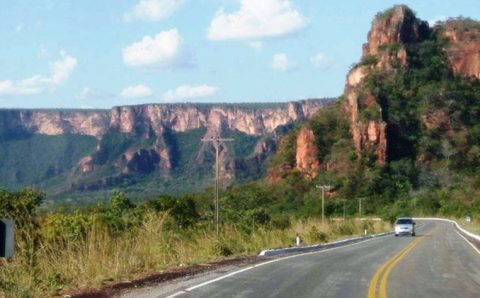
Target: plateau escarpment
point(157, 146)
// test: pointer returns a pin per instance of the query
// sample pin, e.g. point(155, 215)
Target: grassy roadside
point(59, 266)
point(473, 226)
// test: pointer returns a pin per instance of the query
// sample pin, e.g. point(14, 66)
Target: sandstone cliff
point(385, 50)
point(393, 34)
point(397, 99)
point(464, 49)
point(307, 154)
point(160, 141)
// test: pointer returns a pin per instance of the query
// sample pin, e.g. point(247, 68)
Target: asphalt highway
point(438, 262)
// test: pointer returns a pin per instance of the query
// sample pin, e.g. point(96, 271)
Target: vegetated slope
point(406, 134)
point(145, 150)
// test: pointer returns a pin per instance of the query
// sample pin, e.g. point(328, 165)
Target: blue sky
point(99, 54)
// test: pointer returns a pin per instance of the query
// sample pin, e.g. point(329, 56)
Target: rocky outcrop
point(384, 51)
point(464, 49)
point(307, 154)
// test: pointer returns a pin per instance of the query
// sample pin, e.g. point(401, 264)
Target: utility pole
point(360, 207)
point(216, 143)
point(323, 187)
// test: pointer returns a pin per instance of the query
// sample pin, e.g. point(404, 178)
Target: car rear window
point(404, 221)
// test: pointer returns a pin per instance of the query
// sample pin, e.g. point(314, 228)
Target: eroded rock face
point(396, 26)
point(134, 119)
point(464, 49)
point(181, 118)
point(385, 50)
point(91, 123)
point(307, 153)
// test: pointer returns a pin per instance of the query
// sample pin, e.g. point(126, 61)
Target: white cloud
point(60, 71)
point(151, 10)
point(281, 62)
point(256, 45)
point(190, 92)
point(136, 91)
point(165, 50)
point(321, 60)
point(256, 19)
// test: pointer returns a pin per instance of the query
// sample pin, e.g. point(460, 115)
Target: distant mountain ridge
point(154, 147)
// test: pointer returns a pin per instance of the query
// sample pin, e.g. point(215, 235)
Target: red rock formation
point(464, 49)
point(307, 154)
point(384, 50)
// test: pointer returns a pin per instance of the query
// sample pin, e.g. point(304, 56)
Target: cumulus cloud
point(60, 71)
point(321, 60)
point(281, 62)
point(136, 91)
point(151, 10)
point(190, 92)
point(256, 19)
point(164, 50)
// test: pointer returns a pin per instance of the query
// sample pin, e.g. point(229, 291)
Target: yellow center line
point(384, 270)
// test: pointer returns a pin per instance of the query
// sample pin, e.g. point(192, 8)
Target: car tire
point(413, 234)
point(396, 235)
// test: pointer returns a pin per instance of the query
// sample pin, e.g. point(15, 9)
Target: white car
point(405, 226)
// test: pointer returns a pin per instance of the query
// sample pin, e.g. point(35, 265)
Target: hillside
point(140, 150)
point(407, 129)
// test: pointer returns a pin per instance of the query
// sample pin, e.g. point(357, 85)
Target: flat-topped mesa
point(180, 118)
point(143, 118)
point(54, 122)
point(464, 47)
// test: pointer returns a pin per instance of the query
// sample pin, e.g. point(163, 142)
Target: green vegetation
point(433, 139)
point(27, 160)
point(368, 60)
point(60, 251)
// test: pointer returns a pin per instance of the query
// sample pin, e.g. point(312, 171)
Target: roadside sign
point(7, 238)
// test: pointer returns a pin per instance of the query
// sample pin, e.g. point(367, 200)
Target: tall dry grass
point(52, 267)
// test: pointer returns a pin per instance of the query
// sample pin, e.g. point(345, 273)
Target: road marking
point(470, 243)
point(384, 271)
point(184, 291)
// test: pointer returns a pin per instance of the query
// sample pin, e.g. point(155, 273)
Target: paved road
point(436, 263)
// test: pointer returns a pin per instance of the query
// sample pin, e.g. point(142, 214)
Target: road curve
point(436, 263)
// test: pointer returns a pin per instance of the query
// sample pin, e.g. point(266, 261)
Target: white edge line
point(318, 246)
point(459, 227)
point(262, 264)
